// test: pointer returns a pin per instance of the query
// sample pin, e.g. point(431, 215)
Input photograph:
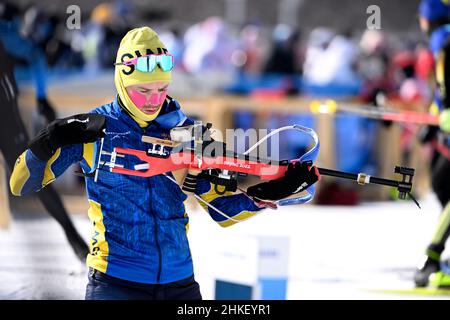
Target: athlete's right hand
point(80, 128)
point(298, 177)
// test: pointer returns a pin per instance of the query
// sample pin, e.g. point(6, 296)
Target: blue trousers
point(105, 287)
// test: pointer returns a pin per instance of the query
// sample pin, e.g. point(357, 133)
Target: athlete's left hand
point(298, 177)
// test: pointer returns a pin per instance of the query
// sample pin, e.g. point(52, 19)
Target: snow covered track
point(364, 252)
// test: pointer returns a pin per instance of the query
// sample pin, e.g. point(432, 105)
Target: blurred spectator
point(410, 88)
point(318, 42)
point(374, 65)
point(285, 57)
point(208, 46)
point(424, 63)
point(172, 39)
point(424, 69)
point(101, 36)
point(333, 62)
point(249, 56)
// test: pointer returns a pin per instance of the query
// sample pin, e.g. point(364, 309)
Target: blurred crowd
point(260, 58)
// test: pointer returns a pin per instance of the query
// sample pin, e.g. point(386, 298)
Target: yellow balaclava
point(138, 42)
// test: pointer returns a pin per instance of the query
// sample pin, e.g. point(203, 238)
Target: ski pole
point(373, 112)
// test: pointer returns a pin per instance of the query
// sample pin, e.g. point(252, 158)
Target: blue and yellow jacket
point(139, 225)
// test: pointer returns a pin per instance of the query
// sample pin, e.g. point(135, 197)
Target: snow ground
point(335, 252)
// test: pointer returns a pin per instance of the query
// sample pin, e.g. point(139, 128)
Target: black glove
point(297, 178)
point(46, 110)
point(427, 134)
point(80, 128)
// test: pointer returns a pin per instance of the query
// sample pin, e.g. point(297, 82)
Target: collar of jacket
point(169, 117)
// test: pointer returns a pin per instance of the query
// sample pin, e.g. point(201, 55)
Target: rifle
point(191, 148)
